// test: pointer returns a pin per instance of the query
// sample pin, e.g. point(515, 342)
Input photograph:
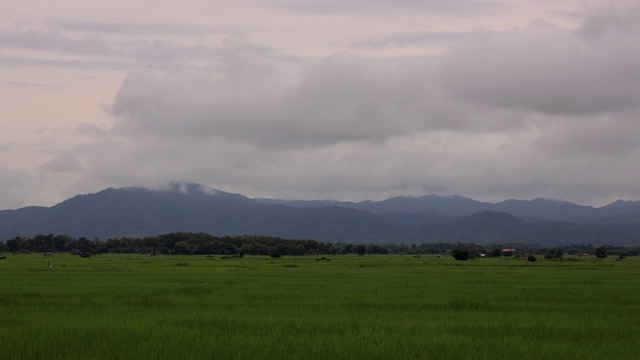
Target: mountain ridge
point(190, 207)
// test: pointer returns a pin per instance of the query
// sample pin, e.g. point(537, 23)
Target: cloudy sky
point(321, 99)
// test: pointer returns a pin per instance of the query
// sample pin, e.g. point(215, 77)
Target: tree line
point(185, 243)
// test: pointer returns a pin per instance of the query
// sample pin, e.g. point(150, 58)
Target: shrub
point(532, 258)
point(553, 254)
point(181, 248)
point(460, 254)
point(495, 253)
point(274, 252)
point(601, 252)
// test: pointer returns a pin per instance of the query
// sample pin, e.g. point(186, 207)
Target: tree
point(13, 245)
point(601, 252)
point(25, 244)
point(460, 254)
point(181, 248)
point(558, 254)
point(260, 249)
point(553, 254)
point(532, 258)
point(473, 253)
point(377, 249)
point(495, 252)
point(84, 249)
point(361, 249)
point(274, 252)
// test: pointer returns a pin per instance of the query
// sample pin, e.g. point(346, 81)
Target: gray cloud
point(502, 114)
point(21, 185)
point(63, 163)
point(40, 86)
point(148, 29)
point(433, 6)
point(52, 42)
point(539, 111)
point(274, 104)
point(6, 146)
point(610, 17)
point(110, 51)
point(545, 69)
point(15, 62)
point(422, 38)
point(91, 130)
point(608, 137)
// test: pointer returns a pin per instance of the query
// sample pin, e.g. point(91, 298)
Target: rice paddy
point(352, 307)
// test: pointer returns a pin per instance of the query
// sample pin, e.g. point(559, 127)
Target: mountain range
point(189, 207)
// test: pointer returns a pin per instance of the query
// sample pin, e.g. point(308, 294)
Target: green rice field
point(352, 307)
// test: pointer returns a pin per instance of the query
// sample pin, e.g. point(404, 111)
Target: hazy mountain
point(138, 212)
point(531, 210)
point(134, 212)
point(494, 227)
point(446, 205)
point(547, 209)
point(321, 223)
point(433, 218)
point(619, 208)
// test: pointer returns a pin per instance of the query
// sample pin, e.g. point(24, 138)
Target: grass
point(382, 307)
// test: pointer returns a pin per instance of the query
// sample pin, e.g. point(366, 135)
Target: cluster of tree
point(206, 244)
point(174, 243)
point(51, 243)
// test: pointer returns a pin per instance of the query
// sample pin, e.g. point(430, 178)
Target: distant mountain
point(433, 218)
point(446, 205)
point(187, 207)
point(137, 212)
point(619, 208)
point(494, 227)
point(321, 223)
point(547, 209)
point(531, 210)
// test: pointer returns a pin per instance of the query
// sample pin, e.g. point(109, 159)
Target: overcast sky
point(321, 99)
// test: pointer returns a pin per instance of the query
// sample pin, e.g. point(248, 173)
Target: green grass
point(369, 307)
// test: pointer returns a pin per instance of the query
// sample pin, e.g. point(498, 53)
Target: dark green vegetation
point(601, 252)
point(460, 254)
point(120, 306)
point(206, 244)
point(138, 213)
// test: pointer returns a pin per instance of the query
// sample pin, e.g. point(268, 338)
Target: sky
point(334, 99)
